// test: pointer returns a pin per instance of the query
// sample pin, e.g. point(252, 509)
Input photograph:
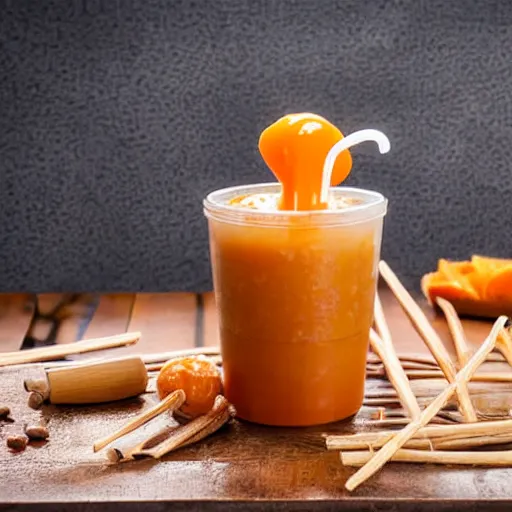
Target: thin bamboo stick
point(407, 357)
point(169, 403)
point(125, 448)
point(423, 393)
point(430, 337)
point(395, 443)
point(401, 422)
point(203, 426)
point(437, 374)
point(459, 431)
point(448, 443)
point(504, 345)
point(208, 423)
point(158, 360)
point(408, 360)
point(471, 442)
point(166, 356)
point(395, 372)
point(491, 458)
point(156, 367)
point(66, 349)
point(412, 365)
point(386, 400)
point(406, 365)
point(456, 330)
point(381, 324)
point(386, 351)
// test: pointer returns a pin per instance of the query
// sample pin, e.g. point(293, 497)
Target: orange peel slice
point(435, 285)
point(457, 274)
point(499, 286)
point(479, 287)
point(486, 265)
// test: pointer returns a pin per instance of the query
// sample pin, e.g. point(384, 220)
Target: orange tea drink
point(295, 291)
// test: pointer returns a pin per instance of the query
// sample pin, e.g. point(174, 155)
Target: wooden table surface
point(242, 467)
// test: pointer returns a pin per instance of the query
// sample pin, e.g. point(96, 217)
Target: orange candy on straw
point(295, 148)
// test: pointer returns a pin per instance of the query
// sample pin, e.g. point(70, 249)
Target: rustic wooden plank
point(243, 463)
point(210, 321)
point(44, 326)
point(167, 321)
point(75, 317)
point(112, 315)
point(16, 313)
point(49, 303)
point(61, 317)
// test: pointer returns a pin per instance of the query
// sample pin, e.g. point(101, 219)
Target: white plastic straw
point(350, 140)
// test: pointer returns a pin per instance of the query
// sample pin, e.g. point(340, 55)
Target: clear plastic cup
point(295, 294)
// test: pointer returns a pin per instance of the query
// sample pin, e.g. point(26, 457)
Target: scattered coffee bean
point(4, 411)
point(37, 433)
point(35, 400)
point(17, 442)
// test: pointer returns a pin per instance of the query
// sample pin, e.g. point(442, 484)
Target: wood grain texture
point(16, 312)
point(242, 466)
point(49, 303)
point(74, 318)
point(241, 462)
point(60, 318)
point(167, 321)
point(210, 321)
point(112, 315)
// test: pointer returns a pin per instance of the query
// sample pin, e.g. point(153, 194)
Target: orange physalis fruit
point(197, 376)
point(295, 148)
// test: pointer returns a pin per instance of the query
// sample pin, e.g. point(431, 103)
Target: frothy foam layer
point(270, 202)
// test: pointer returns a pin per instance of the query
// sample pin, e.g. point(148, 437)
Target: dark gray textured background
point(117, 117)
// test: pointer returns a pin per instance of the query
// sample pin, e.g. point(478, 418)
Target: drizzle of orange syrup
point(295, 148)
